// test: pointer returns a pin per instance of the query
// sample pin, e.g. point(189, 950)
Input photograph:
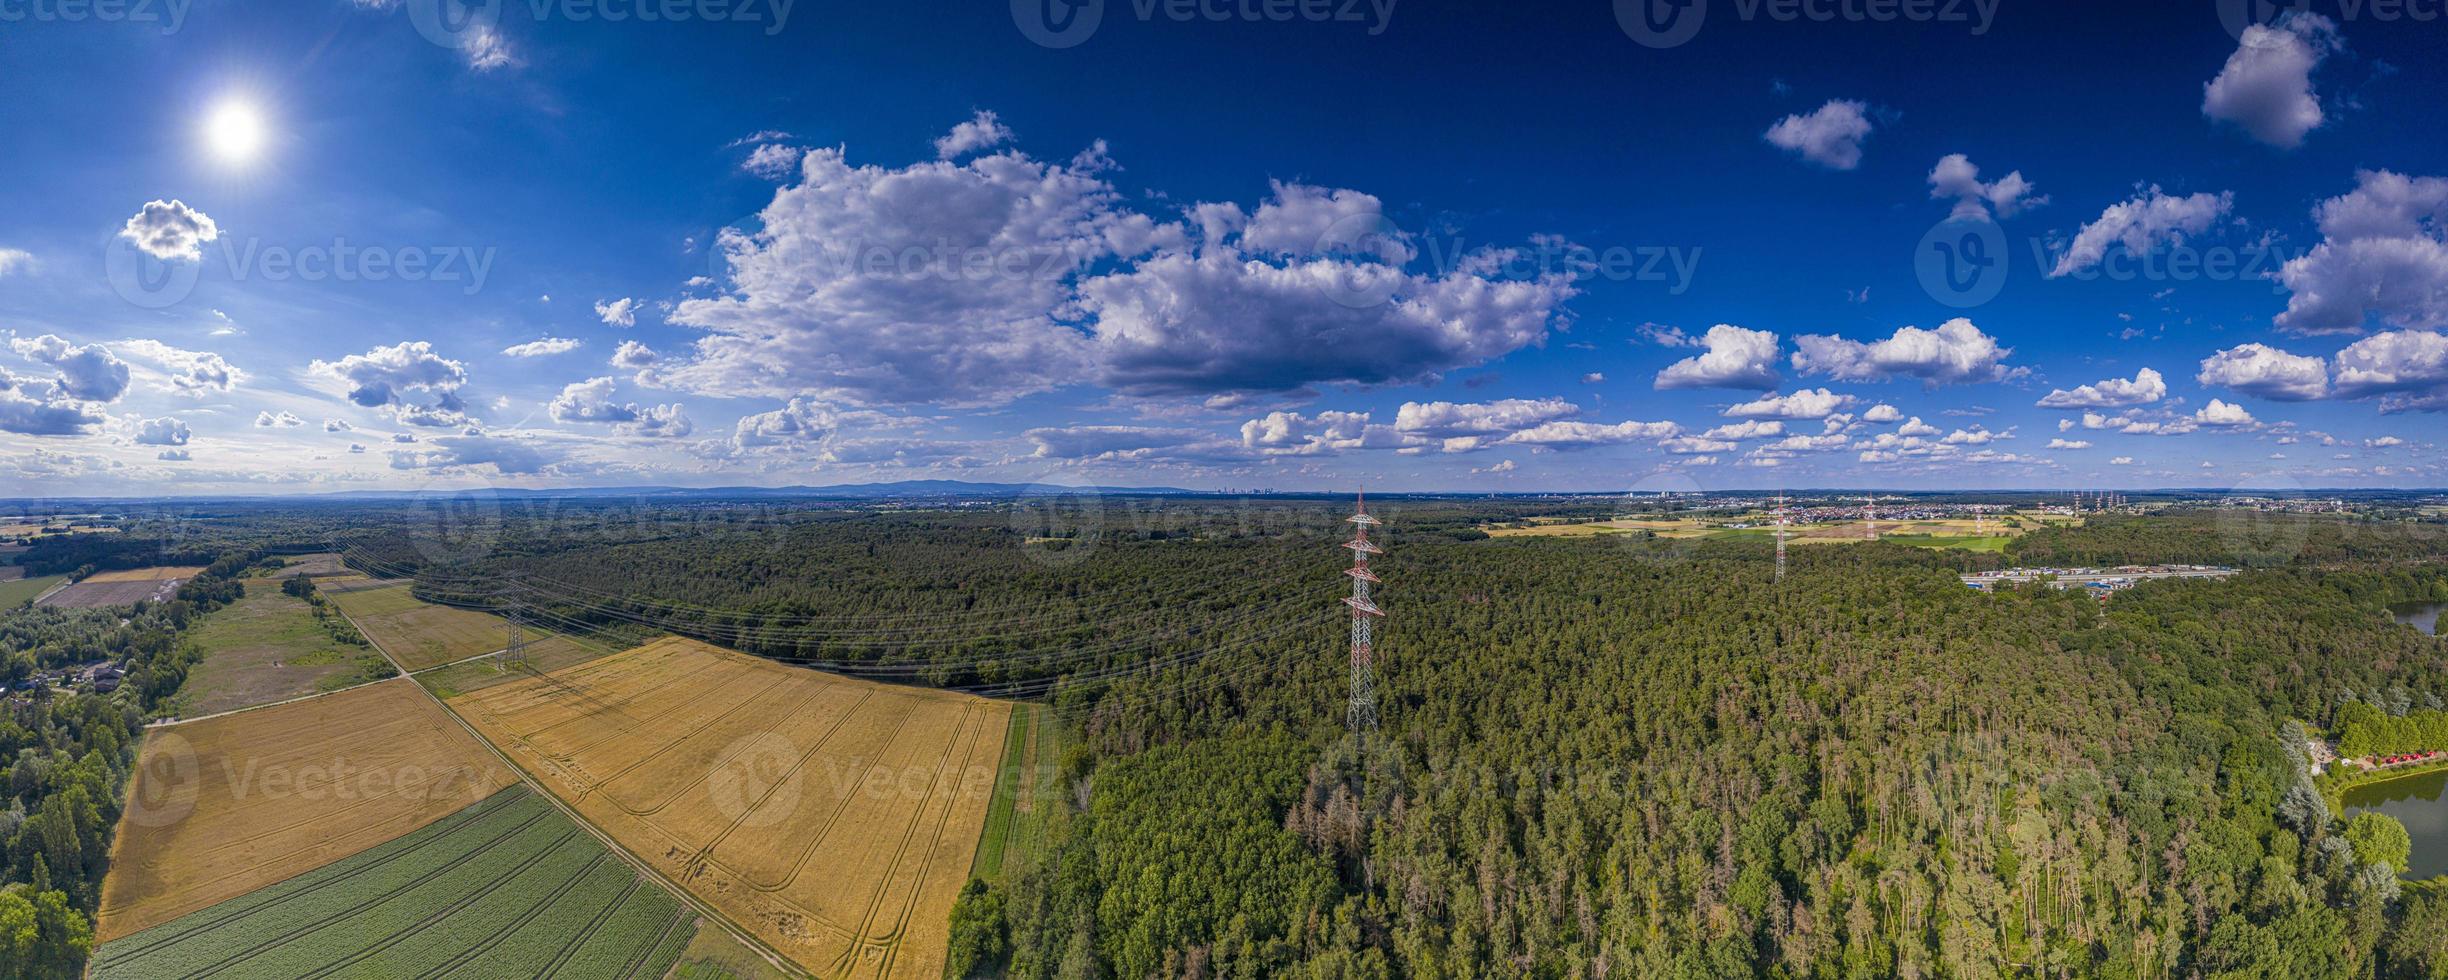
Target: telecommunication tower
point(1780, 536)
point(1870, 517)
point(1362, 714)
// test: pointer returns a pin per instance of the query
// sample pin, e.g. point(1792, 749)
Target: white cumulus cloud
point(1955, 353)
point(170, 230)
point(2266, 372)
point(1956, 177)
point(1830, 136)
point(2146, 386)
point(2384, 255)
point(1736, 358)
point(1804, 404)
point(543, 347)
point(2146, 221)
point(2266, 85)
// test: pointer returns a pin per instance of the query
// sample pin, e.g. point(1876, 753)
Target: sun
point(234, 131)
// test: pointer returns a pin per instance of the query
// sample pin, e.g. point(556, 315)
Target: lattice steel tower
point(1780, 536)
point(1363, 711)
point(513, 656)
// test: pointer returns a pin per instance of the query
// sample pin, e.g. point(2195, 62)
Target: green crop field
point(507, 887)
point(1023, 795)
point(21, 591)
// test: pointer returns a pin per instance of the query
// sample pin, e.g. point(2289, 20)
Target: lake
point(2421, 804)
point(2423, 616)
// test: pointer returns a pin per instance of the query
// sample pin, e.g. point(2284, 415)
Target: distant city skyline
point(377, 245)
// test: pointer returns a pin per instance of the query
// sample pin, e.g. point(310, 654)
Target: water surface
point(2423, 616)
point(2421, 804)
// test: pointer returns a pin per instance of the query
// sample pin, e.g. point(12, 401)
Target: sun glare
point(234, 131)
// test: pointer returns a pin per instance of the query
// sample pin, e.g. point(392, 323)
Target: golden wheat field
point(834, 818)
point(223, 806)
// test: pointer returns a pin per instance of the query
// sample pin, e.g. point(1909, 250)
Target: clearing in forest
point(269, 647)
point(419, 634)
point(223, 806)
point(834, 818)
point(504, 887)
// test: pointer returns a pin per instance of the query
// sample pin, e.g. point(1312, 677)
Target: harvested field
point(505, 887)
point(224, 806)
point(263, 648)
point(834, 818)
point(543, 657)
point(418, 634)
point(124, 588)
point(156, 574)
point(11, 573)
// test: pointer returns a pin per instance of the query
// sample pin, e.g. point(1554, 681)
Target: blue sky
point(308, 247)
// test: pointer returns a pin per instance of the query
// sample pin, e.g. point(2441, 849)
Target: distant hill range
point(899, 490)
